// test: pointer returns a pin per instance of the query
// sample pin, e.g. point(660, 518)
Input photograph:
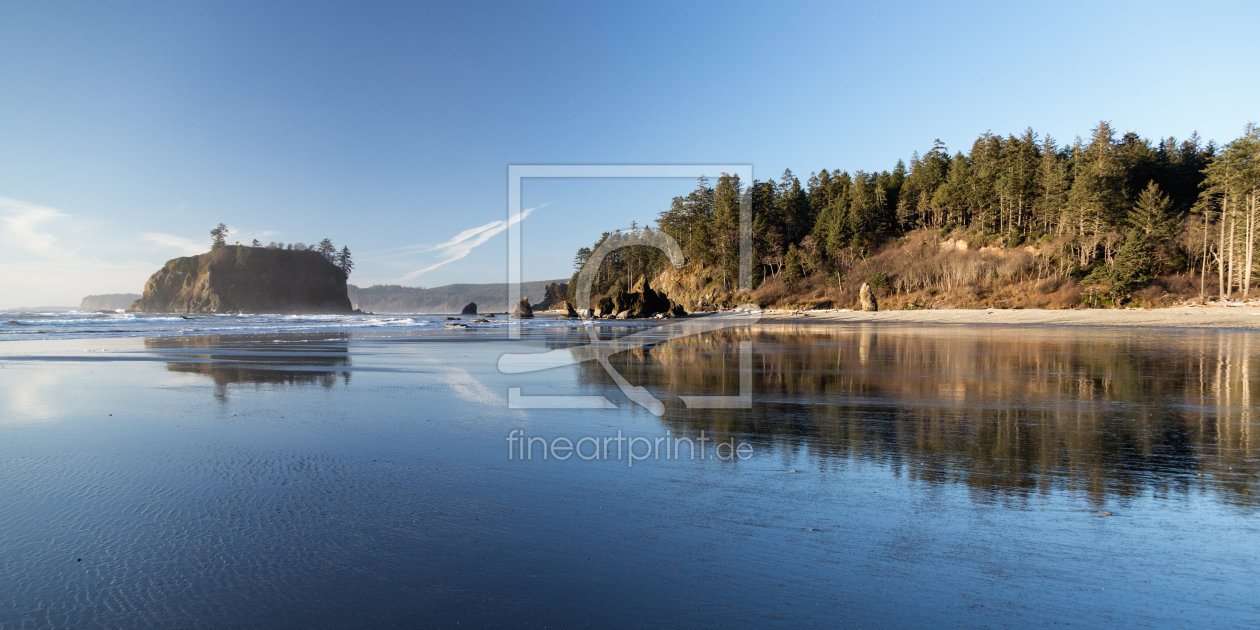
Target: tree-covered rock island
point(251, 279)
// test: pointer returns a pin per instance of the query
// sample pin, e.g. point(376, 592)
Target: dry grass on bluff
point(923, 270)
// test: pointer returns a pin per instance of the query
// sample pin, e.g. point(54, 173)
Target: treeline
point(343, 259)
point(1110, 211)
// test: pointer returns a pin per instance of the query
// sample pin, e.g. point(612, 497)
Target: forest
point(1016, 221)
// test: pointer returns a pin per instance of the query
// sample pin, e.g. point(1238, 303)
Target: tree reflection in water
point(258, 359)
point(1007, 411)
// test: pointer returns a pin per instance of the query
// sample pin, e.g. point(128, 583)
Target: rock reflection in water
point(1006, 411)
point(258, 359)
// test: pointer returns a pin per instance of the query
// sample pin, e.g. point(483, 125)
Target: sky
point(129, 130)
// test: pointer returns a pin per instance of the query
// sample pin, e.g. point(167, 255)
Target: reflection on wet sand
point(261, 360)
point(1006, 411)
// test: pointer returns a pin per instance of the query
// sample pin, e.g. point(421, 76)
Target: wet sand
point(918, 477)
point(1241, 318)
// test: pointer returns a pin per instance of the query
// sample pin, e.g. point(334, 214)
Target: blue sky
point(128, 130)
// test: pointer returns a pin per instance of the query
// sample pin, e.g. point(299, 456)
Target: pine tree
point(726, 198)
point(327, 249)
point(218, 236)
point(1153, 214)
point(792, 270)
point(954, 196)
point(1248, 153)
point(1053, 183)
point(793, 207)
point(1097, 194)
point(344, 261)
point(861, 221)
point(583, 255)
point(1132, 265)
point(1017, 182)
point(256, 243)
point(983, 198)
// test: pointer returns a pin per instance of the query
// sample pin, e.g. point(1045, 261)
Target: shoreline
point(1232, 318)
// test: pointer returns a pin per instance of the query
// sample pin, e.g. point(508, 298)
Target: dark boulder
point(471, 309)
point(605, 306)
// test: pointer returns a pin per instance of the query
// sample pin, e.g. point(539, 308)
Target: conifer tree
point(1132, 264)
point(792, 270)
point(344, 261)
point(1152, 214)
point(1053, 183)
point(1097, 194)
point(1249, 195)
point(327, 249)
point(583, 255)
point(218, 236)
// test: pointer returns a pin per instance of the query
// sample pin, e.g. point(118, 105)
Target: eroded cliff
point(243, 279)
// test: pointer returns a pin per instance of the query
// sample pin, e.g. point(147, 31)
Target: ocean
point(75, 325)
point(377, 472)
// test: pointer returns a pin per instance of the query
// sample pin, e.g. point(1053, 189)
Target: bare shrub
point(1067, 296)
point(1047, 285)
point(921, 274)
point(1182, 284)
point(771, 292)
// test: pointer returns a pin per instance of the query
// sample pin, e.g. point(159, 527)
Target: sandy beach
point(176, 478)
point(1245, 318)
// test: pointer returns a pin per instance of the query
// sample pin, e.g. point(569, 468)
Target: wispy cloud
point(186, 245)
point(25, 226)
point(50, 257)
point(461, 244)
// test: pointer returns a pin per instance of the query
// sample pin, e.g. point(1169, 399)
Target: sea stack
point(239, 279)
point(867, 298)
point(523, 311)
point(470, 309)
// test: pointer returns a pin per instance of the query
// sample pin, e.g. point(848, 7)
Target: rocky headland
point(107, 302)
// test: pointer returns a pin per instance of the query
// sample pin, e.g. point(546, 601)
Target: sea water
point(76, 325)
point(364, 476)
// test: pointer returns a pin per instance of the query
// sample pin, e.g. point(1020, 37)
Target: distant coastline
point(449, 298)
point(40, 309)
point(108, 301)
